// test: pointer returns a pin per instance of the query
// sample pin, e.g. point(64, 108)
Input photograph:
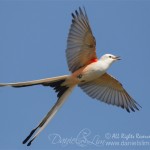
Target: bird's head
point(109, 58)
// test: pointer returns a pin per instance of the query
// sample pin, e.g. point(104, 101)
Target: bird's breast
point(87, 73)
point(92, 72)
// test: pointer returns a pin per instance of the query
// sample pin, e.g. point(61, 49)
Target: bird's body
point(89, 73)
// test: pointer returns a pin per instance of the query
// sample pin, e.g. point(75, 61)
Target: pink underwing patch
point(93, 60)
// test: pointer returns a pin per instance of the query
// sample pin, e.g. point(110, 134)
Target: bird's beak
point(117, 58)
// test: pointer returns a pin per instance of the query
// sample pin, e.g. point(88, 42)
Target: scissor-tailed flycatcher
point(88, 72)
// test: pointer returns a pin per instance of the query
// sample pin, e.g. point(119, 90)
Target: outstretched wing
point(110, 91)
point(81, 44)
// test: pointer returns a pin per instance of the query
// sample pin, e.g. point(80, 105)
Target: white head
point(109, 59)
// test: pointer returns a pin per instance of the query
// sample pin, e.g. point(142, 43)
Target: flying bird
point(87, 71)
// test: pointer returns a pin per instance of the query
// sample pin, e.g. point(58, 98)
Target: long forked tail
point(44, 82)
point(49, 116)
point(63, 92)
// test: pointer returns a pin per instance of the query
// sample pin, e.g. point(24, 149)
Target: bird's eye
point(110, 56)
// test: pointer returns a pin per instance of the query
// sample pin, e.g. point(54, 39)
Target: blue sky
point(32, 46)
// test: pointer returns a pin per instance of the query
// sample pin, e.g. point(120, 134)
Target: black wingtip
point(76, 12)
point(137, 106)
point(132, 109)
point(128, 110)
point(73, 15)
point(80, 9)
point(29, 136)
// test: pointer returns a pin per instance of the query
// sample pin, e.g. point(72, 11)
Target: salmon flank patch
point(93, 60)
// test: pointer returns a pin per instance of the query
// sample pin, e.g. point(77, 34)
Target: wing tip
point(79, 11)
point(132, 108)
